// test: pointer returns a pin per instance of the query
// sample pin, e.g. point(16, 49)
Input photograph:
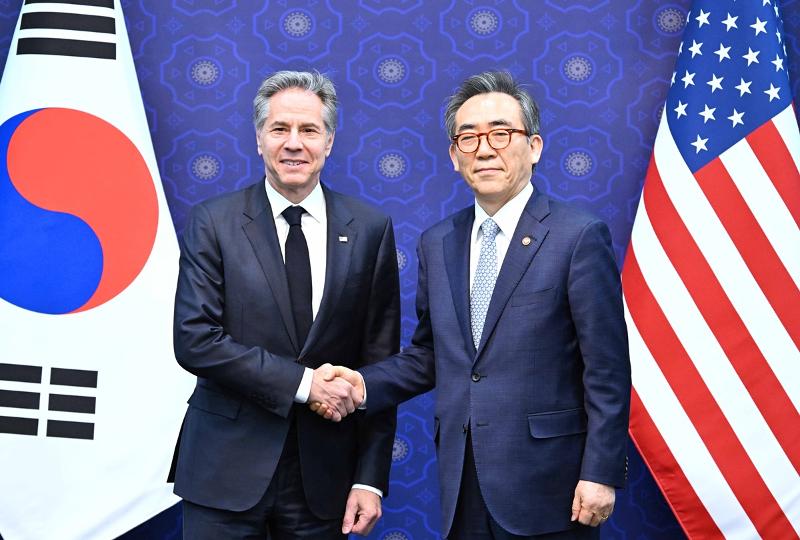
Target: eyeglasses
point(497, 139)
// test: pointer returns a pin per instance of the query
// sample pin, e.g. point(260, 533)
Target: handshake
point(336, 391)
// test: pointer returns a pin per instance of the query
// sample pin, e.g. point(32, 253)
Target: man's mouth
point(292, 162)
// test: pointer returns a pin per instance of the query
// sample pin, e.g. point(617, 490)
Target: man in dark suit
point(521, 330)
point(274, 279)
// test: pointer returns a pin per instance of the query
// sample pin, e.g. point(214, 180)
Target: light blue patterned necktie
point(485, 277)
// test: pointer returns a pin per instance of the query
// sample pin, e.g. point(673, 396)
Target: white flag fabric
point(91, 398)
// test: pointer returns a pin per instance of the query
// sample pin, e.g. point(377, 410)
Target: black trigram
point(18, 399)
point(55, 20)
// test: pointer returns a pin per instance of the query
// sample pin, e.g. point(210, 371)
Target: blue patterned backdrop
point(599, 69)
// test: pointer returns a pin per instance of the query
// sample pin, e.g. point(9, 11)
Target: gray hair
point(314, 82)
point(492, 81)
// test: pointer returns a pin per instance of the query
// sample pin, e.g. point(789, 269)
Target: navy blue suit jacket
point(546, 394)
point(234, 329)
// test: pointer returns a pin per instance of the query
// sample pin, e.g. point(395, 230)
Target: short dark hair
point(492, 81)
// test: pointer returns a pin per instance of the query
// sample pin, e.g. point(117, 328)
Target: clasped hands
point(336, 391)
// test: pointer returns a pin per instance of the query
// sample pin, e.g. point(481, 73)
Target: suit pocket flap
point(534, 297)
point(557, 423)
point(215, 403)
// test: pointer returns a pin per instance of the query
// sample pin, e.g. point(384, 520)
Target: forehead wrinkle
point(498, 122)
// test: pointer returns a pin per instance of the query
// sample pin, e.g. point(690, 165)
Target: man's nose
point(293, 140)
point(484, 148)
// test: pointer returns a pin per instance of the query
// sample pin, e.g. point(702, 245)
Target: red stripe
point(722, 318)
point(746, 484)
point(774, 156)
point(677, 490)
point(754, 246)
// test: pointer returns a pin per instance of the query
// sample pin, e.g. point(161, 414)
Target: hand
point(333, 373)
point(338, 395)
point(593, 503)
point(363, 510)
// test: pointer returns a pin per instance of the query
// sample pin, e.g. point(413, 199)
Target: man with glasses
point(521, 331)
point(274, 279)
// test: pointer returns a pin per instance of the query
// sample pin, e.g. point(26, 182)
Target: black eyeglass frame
point(509, 131)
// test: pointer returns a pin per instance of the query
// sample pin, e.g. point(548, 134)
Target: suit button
point(476, 377)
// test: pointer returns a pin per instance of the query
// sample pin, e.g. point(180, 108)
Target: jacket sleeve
point(203, 346)
point(595, 301)
point(412, 371)
point(381, 339)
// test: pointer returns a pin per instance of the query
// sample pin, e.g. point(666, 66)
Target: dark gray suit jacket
point(234, 329)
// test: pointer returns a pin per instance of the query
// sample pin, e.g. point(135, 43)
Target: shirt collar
point(508, 216)
point(313, 204)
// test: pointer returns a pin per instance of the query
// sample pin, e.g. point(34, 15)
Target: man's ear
point(453, 157)
point(537, 145)
point(329, 145)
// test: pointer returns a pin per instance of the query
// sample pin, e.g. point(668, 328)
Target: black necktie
point(298, 272)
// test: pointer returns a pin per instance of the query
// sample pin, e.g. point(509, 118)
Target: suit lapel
point(261, 233)
point(456, 256)
point(517, 260)
point(342, 236)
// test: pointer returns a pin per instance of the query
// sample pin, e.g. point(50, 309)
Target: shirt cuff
point(365, 487)
point(301, 396)
point(363, 403)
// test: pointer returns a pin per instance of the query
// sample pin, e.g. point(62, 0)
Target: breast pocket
point(541, 296)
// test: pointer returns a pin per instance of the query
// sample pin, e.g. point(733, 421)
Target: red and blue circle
point(78, 211)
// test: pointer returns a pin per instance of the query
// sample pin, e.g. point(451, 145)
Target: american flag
point(711, 282)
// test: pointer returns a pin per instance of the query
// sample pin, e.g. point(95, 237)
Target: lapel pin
point(343, 239)
point(526, 241)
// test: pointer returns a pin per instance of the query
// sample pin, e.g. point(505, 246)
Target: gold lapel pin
point(343, 239)
point(526, 240)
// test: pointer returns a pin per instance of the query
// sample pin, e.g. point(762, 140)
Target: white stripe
point(67, 34)
point(713, 365)
point(727, 264)
point(786, 122)
point(68, 8)
point(766, 204)
point(683, 440)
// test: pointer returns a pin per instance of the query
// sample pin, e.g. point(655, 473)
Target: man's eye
point(467, 138)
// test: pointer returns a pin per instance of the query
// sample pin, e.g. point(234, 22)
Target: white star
point(765, 2)
point(700, 144)
point(730, 22)
point(680, 109)
point(695, 48)
point(671, 82)
point(702, 18)
point(715, 83)
point(778, 62)
point(707, 114)
point(722, 52)
point(759, 26)
point(680, 48)
point(743, 87)
point(778, 33)
point(773, 92)
point(736, 118)
point(688, 79)
point(751, 56)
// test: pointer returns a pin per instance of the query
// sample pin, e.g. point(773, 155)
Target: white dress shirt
point(506, 218)
point(314, 223)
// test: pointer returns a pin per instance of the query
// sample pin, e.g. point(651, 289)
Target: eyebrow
point(280, 123)
point(499, 122)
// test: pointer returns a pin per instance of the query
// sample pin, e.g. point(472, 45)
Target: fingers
point(362, 512)
point(593, 503)
point(349, 514)
point(576, 506)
